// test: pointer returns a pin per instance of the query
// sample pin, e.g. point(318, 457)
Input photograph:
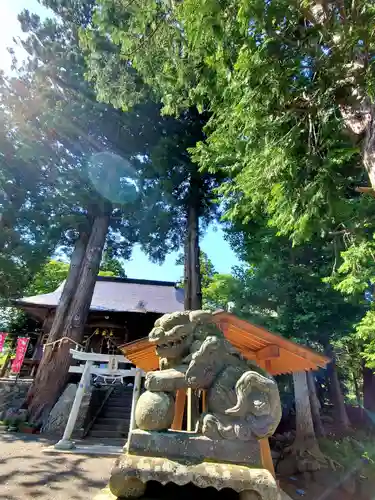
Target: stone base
point(131, 473)
point(65, 444)
point(190, 446)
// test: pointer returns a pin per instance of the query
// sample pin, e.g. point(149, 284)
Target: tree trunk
point(305, 447)
point(305, 433)
point(59, 321)
point(192, 272)
point(187, 270)
point(54, 368)
point(356, 389)
point(70, 287)
point(336, 394)
point(315, 405)
point(368, 388)
point(357, 110)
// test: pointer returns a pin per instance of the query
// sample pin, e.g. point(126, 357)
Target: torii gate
point(87, 369)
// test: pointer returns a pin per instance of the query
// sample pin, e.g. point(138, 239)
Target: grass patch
point(354, 453)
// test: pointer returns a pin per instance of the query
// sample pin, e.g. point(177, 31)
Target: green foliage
point(54, 129)
point(272, 91)
point(278, 82)
point(111, 266)
point(353, 453)
point(54, 272)
point(155, 146)
point(221, 291)
point(50, 276)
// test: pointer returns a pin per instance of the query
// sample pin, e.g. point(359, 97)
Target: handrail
point(91, 423)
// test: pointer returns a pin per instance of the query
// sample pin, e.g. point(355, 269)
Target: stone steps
point(113, 421)
point(118, 426)
point(107, 434)
point(108, 421)
point(115, 414)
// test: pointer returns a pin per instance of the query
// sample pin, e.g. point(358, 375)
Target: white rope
point(113, 379)
point(61, 341)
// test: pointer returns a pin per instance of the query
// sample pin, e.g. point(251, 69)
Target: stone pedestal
point(182, 445)
point(131, 473)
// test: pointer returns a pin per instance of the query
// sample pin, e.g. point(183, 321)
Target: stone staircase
point(114, 418)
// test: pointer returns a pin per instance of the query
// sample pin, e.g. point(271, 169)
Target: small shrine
point(221, 368)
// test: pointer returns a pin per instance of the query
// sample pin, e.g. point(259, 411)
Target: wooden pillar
point(265, 455)
point(189, 423)
point(179, 409)
point(204, 401)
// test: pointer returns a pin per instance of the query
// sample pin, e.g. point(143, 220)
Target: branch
point(365, 190)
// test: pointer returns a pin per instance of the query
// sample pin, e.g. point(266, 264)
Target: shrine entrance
point(94, 367)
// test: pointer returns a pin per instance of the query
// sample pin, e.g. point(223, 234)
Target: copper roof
point(272, 352)
point(121, 295)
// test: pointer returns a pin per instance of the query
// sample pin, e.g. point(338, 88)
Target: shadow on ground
point(26, 472)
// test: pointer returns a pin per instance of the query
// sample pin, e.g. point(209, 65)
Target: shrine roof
point(120, 295)
point(272, 352)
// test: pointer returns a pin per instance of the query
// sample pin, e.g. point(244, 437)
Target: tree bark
point(356, 389)
point(336, 394)
point(305, 447)
point(315, 405)
point(192, 272)
point(60, 317)
point(368, 388)
point(187, 270)
point(70, 286)
point(54, 368)
point(304, 422)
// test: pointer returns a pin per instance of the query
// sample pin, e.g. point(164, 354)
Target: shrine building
point(122, 310)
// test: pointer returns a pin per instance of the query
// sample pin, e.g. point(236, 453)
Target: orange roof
point(275, 354)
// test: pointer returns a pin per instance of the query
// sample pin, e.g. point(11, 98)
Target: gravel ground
point(26, 472)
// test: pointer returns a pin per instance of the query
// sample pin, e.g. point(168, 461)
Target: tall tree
point(290, 135)
point(188, 193)
point(283, 289)
point(47, 386)
point(32, 218)
point(104, 148)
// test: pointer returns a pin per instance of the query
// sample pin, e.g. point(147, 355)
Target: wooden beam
point(179, 408)
point(265, 455)
point(189, 425)
point(244, 329)
point(204, 401)
point(269, 352)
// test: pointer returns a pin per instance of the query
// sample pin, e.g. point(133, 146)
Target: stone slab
point(193, 447)
point(99, 450)
point(204, 475)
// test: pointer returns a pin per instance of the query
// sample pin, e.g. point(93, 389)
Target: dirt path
point(26, 472)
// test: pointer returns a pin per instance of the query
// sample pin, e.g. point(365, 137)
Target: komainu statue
point(242, 406)
point(242, 400)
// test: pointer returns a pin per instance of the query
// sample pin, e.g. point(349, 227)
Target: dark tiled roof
point(122, 295)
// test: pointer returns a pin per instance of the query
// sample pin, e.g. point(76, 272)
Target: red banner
point(22, 343)
point(3, 336)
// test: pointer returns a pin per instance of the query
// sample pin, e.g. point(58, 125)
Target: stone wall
point(59, 415)
point(12, 394)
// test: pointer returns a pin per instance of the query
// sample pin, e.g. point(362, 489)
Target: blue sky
point(139, 266)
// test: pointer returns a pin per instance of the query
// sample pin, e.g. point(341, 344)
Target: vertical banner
point(3, 336)
point(22, 343)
